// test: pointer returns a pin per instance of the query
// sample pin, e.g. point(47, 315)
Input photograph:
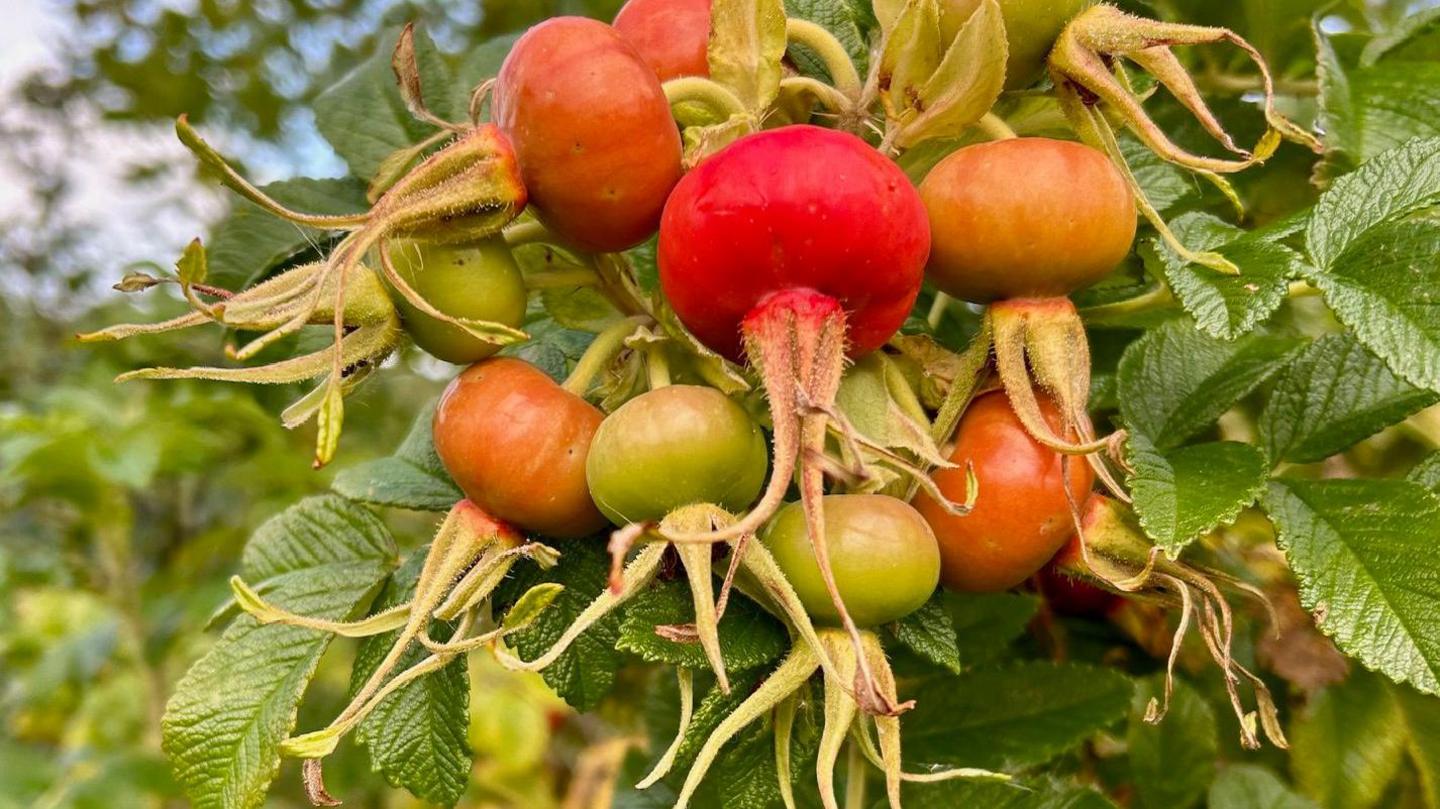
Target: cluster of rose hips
point(784, 255)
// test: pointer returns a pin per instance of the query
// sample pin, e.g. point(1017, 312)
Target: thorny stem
point(601, 352)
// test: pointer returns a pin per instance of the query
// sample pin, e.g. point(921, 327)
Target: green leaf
point(1333, 395)
point(986, 623)
point(324, 557)
point(1185, 493)
point(930, 633)
point(1010, 717)
point(552, 348)
point(848, 20)
point(990, 795)
point(1225, 306)
point(1345, 748)
point(749, 636)
point(586, 671)
point(1173, 762)
point(1247, 786)
point(1175, 381)
point(417, 735)
point(363, 115)
point(1421, 716)
point(1369, 104)
point(412, 478)
point(1427, 473)
point(747, 42)
point(579, 307)
point(1364, 553)
point(250, 242)
point(1389, 187)
point(1385, 287)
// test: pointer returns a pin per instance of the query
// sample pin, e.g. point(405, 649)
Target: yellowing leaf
point(967, 82)
point(747, 41)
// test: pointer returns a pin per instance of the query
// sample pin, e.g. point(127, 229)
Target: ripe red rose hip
point(597, 147)
point(799, 207)
point(1025, 218)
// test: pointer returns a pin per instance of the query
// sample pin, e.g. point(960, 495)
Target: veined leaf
point(1333, 395)
point(250, 242)
point(1387, 188)
point(749, 636)
point(1247, 786)
point(1175, 381)
point(412, 478)
point(417, 735)
point(1184, 493)
point(1012, 716)
point(985, 624)
point(1364, 552)
point(1385, 287)
point(323, 557)
point(930, 633)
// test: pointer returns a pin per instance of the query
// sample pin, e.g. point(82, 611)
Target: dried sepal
point(1083, 65)
point(961, 87)
point(1111, 549)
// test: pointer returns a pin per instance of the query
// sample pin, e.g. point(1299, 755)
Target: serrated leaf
point(1172, 762)
point(586, 671)
point(1385, 287)
point(967, 82)
point(416, 737)
point(412, 478)
point(363, 115)
point(1345, 748)
point(1014, 716)
point(1184, 493)
point(848, 20)
point(1333, 395)
point(1389, 187)
point(747, 42)
point(324, 556)
point(1427, 473)
point(1225, 306)
point(250, 242)
point(930, 633)
point(749, 636)
point(1364, 554)
point(986, 623)
point(1175, 381)
point(1247, 786)
point(1369, 104)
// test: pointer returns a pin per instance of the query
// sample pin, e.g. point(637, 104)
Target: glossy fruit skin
point(1031, 27)
point(598, 149)
point(1021, 515)
point(793, 208)
point(1075, 597)
point(884, 556)
point(515, 443)
point(672, 447)
point(1025, 218)
point(476, 281)
point(672, 36)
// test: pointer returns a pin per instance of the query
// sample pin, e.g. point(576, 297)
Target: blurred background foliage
point(124, 508)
